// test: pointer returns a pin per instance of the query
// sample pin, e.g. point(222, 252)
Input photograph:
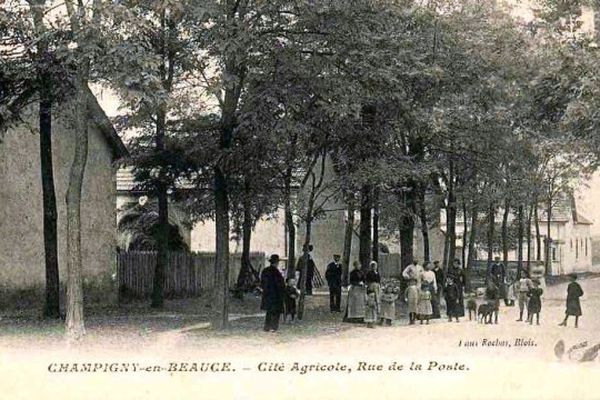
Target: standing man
point(333, 274)
point(413, 271)
point(273, 293)
point(498, 275)
point(310, 269)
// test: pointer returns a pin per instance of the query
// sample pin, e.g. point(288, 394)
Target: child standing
point(424, 307)
point(412, 300)
point(388, 306)
point(510, 283)
point(574, 292)
point(535, 302)
point(371, 309)
point(291, 295)
point(523, 286)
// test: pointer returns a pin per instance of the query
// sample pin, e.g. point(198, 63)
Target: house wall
point(21, 217)
point(567, 258)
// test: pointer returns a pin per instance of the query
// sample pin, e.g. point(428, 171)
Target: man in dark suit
point(498, 275)
point(310, 269)
point(333, 274)
point(273, 293)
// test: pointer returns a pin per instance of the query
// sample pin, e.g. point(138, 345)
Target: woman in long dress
point(355, 306)
point(458, 277)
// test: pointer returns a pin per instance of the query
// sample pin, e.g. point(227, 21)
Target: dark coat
point(310, 268)
point(535, 300)
point(439, 278)
point(574, 292)
point(333, 275)
point(356, 276)
point(273, 290)
point(457, 274)
point(373, 276)
point(291, 296)
point(453, 301)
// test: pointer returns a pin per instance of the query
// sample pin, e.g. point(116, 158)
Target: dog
point(472, 307)
point(484, 311)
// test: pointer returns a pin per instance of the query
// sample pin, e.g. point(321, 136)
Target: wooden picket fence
point(187, 274)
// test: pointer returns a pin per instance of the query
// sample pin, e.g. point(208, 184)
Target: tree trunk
point(365, 243)
point(291, 227)
point(303, 273)
point(520, 239)
point(52, 306)
point(505, 232)
point(74, 316)
point(348, 243)
point(451, 217)
point(548, 248)
point(446, 246)
point(407, 225)
point(424, 225)
point(376, 224)
point(162, 245)
point(222, 250)
point(490, 237)
point(465, 233)
point(245, 274)
point(451, 227)
point(472, 252)
point(538, 237)
point(529, 217)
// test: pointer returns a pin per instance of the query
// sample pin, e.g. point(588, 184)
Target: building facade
point(22, 262)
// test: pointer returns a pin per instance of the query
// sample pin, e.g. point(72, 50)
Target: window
point(571, 243)
point(586, 246)
point(554, 254)
point(576, 249)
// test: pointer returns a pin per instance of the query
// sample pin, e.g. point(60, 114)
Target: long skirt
point(355, 307)
point(435, 305)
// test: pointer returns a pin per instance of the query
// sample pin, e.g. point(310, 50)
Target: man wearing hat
point(333, 274)
point(310, 269)
point(273, 292)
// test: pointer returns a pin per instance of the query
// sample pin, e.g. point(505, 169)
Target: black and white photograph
point(286, 199)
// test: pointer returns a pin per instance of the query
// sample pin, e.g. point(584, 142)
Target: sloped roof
point(107, 129)
point(583, 220)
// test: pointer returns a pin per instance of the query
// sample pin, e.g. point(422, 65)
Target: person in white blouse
point(413, 271)
point(428, 277)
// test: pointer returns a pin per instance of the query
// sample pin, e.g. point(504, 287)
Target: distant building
point(571, 241)
point(22, 263)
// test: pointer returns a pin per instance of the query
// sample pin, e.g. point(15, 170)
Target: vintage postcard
point(277, 199)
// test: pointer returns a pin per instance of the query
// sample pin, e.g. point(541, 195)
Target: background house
point(22, 264)
point(570, 231)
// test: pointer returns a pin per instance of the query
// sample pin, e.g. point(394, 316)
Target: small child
point(510, 282)
point(388, 306)
point(574, 292)
point(522, 288)
point(371, 309)
point(291, 295)
point(424, 307)
point(411, 295)
point(472, 306)
point(492, 295)
point(535, 302)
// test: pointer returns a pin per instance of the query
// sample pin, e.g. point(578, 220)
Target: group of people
point(368, 302)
